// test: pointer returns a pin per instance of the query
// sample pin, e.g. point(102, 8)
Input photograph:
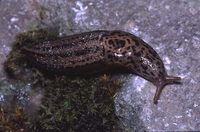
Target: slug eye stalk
point(160, 85)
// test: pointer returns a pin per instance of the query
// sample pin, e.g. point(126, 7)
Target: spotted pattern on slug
point(98, 50)
point(128, 50)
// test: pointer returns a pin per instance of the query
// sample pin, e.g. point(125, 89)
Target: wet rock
point(170, 27)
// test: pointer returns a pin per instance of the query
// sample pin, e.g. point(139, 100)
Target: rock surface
point(170, 27)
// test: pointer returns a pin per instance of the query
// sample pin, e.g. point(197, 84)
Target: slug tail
point(162, 83)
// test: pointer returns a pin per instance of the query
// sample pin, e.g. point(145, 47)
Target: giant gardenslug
point(98, 50)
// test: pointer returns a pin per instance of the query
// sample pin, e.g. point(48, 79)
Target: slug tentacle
point(171, 79)
point(161, 83)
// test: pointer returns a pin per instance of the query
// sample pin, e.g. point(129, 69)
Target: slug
point(98, 50)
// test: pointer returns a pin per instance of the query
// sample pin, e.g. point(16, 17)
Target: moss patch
point(78, 105)
point(13, 119)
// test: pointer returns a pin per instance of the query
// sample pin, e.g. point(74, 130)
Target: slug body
point(98, 50)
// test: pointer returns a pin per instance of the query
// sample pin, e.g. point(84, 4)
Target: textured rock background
point(170, 27)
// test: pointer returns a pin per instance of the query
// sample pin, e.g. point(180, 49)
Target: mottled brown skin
point(98, 50)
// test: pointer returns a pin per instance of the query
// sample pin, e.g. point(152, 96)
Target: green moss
point(13, 119)
point(69, 104)
point(41, 13)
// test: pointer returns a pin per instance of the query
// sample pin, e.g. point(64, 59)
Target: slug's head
point(127, 50)
point(160, 83)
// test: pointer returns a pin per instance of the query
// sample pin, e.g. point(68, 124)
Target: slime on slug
point(98, 50)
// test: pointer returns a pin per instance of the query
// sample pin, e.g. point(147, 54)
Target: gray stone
point(170, 27)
